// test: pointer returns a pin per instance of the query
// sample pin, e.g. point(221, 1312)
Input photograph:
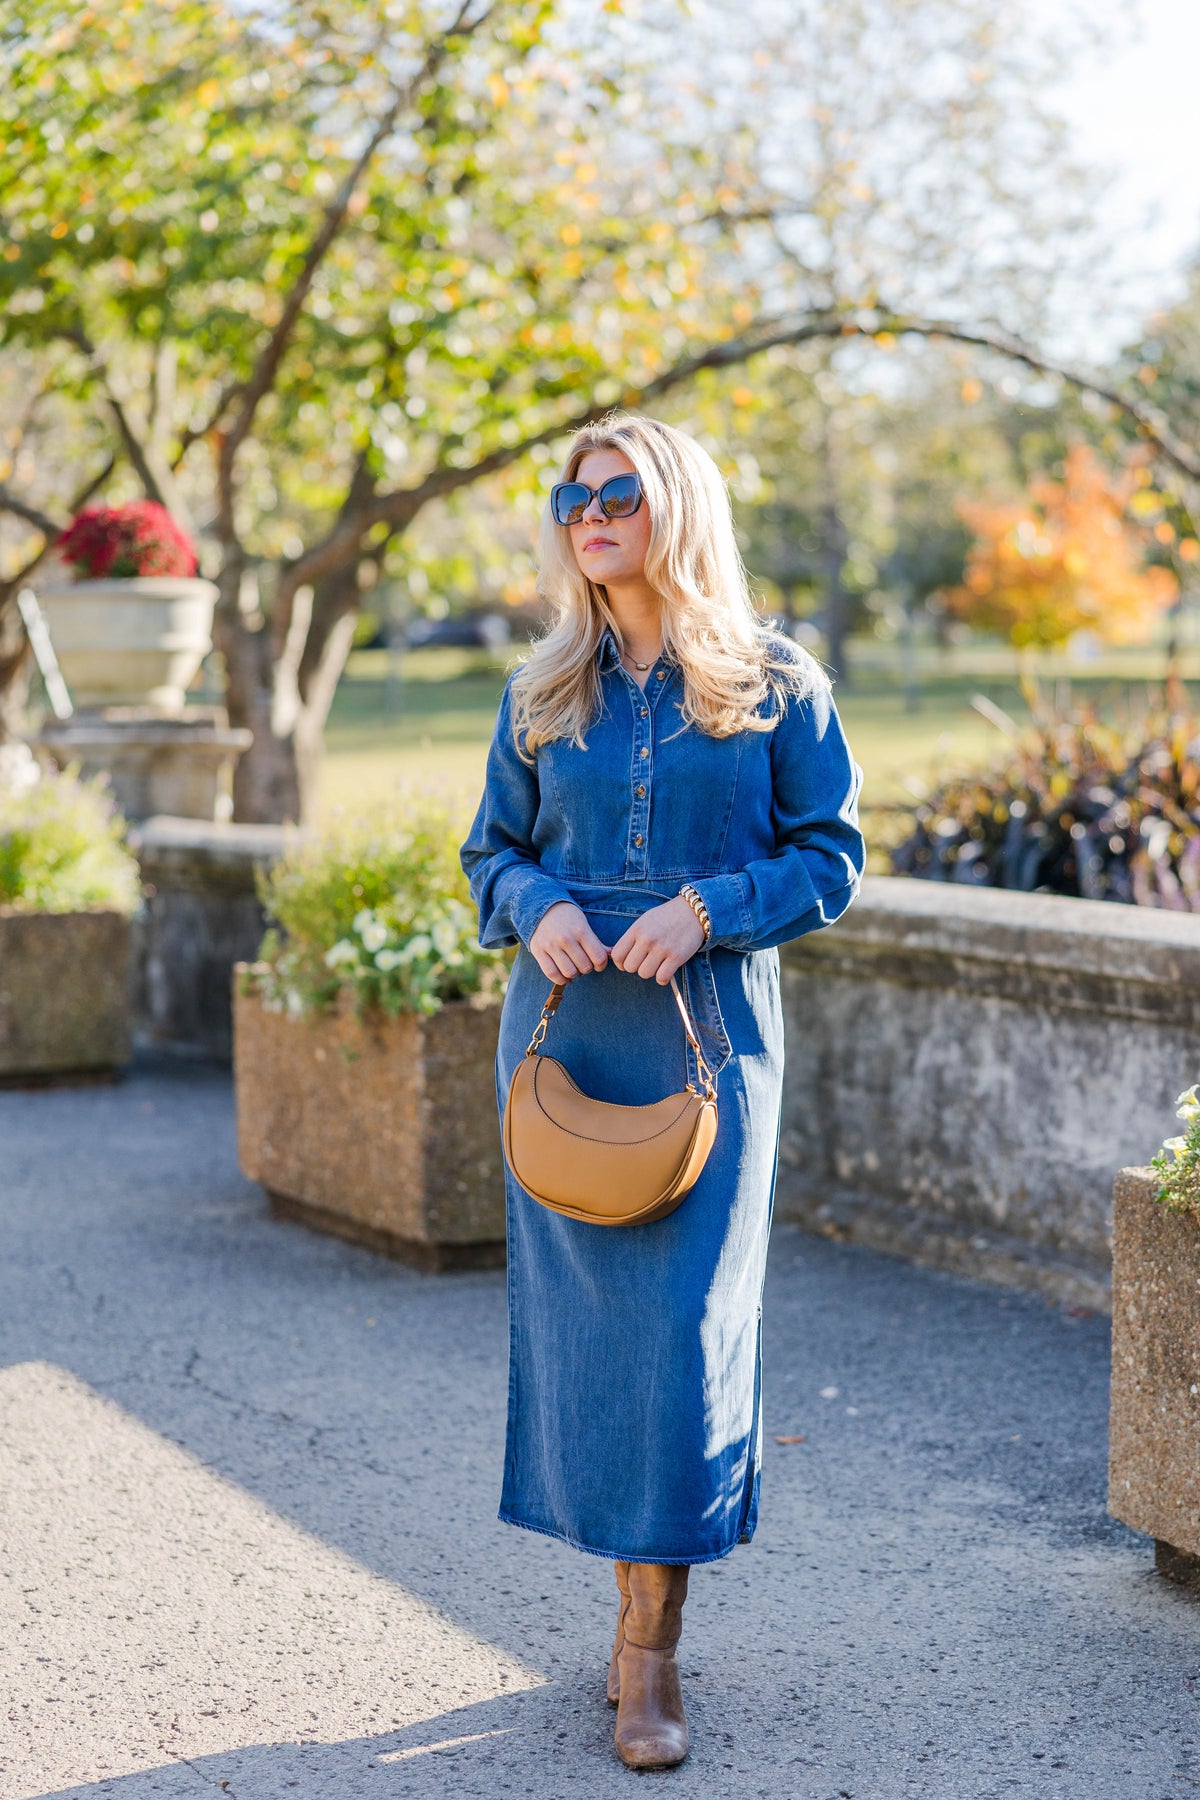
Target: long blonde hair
point(729, 656)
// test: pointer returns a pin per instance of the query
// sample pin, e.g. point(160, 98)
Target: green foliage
point(375, 906)
point(62, 848)
point(1074, 806)
point(1179, 1190)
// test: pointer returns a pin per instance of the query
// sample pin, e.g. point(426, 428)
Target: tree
point(314, 271)
point(1070, 557)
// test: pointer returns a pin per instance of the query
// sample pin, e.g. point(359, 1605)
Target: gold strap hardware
point(551, 1007)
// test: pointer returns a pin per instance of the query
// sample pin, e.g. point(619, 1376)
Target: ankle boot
point(651, 1731)
point(614, 1677)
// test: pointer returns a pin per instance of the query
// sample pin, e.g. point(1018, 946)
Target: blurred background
point(332, 284)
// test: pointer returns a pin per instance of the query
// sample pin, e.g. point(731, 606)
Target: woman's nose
point(594, 513)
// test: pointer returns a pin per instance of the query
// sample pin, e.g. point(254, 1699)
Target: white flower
point(420, 945)
point(1188, 1104)
point(387, 960)
point(342, 952)
point(363, 919)
point(1175, 1145)
point(445, 938)
point(374, 936)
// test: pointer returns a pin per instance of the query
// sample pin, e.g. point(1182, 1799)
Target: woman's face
point(609, 552)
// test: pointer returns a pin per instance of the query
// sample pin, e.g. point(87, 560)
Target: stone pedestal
point(201, 916)
point(181, 766)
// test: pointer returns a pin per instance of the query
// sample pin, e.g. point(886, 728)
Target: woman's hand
point(660, 942)
point(565, 945)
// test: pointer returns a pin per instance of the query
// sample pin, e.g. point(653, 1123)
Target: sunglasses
point(619, 497)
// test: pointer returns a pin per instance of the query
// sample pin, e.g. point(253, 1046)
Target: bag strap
point(551, 1007)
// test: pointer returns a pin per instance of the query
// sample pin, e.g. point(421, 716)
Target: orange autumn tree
point(1069, 557)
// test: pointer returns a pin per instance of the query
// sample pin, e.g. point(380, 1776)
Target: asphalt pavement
point(249, 1546)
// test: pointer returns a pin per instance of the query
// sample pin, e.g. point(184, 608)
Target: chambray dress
point(634, 1416)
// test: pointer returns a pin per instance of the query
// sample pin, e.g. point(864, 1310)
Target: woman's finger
point(636, 958)
point(595, 949)
point(581, 959)
point(652, 962)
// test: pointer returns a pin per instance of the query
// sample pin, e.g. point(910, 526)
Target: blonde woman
point(668, 789)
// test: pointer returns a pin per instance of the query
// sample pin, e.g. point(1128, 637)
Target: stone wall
point(201, 917)
point(967, 1068)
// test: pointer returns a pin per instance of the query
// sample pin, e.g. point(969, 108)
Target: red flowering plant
point(140, 538)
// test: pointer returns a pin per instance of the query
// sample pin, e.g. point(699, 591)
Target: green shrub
point(62, 847)
point(376, 906)
point(1179, 1189)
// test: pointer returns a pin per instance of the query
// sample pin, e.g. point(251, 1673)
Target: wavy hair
point(730, 658)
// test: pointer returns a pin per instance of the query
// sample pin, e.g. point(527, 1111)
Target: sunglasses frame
point(596, 494)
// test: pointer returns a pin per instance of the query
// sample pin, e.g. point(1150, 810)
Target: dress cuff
point(725, 897)
point(538, 894)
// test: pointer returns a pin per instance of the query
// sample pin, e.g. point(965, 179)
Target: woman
point(668, 789)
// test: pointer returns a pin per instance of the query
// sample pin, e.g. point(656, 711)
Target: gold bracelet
point(697, 905)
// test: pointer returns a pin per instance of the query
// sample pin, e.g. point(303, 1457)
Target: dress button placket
point(639, 816)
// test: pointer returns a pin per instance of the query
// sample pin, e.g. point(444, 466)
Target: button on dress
point(634, 1425)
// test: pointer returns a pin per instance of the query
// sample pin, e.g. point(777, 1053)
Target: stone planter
point(182, 767)
point(63, 1004)
point(384, 1131)
point(1154, 1431)
point(133, 642)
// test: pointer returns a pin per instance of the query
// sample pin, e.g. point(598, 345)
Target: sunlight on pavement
point(151, 1611)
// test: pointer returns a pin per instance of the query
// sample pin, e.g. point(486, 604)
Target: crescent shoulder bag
point(597, 1161)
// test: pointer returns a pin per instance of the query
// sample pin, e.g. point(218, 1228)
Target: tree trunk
point(833, 549)
point(15, 662)
point(284, 700)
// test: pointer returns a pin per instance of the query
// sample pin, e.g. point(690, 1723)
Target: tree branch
point(261, 381)
point(10, 502)
point(399, 507)
point(152, 468)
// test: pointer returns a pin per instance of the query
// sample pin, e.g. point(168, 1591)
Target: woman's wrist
point(687, 892)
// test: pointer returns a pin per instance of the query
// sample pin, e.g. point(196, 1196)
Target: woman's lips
point(600, 544)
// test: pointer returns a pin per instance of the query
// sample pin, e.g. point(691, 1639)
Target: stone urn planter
point(64, 1010)
point(1154, 1431)
point(136, 641)
point(380, 1130)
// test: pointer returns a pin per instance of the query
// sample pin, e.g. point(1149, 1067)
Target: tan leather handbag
point(593, 1159)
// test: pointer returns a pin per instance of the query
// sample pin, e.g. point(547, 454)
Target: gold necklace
point(646, 665)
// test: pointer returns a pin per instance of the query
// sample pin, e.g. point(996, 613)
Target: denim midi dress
point(634, 1425)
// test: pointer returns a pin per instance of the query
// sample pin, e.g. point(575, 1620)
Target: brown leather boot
point(651, 1731)
point(614, 1676)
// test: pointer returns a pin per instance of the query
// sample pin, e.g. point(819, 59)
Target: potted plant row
point(365, 1039)
point(1154, 1430)
point(68, 887)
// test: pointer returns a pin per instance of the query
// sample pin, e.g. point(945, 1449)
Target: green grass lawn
point(431, 723)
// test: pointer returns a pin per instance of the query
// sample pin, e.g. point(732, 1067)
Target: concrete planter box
point(63, 1004)
point(1154, 1429)
point(383, 1131)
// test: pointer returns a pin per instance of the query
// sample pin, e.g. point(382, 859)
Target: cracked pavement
point(248, 1543)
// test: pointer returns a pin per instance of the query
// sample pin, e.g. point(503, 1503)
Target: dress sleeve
point(817, 867)
point(498, 858)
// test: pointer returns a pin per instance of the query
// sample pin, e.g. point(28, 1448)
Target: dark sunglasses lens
point(619, 497)
point(569, 502)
